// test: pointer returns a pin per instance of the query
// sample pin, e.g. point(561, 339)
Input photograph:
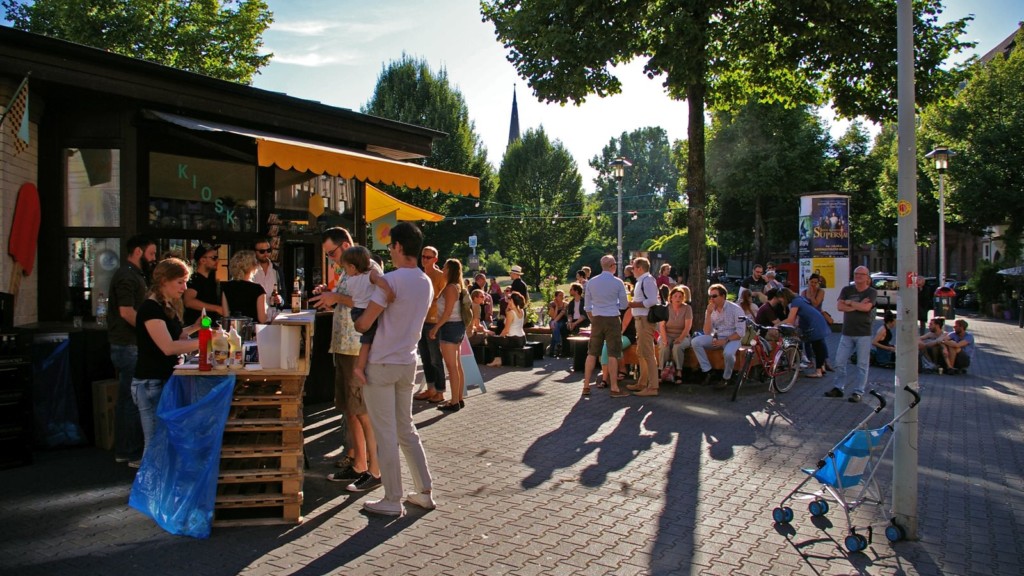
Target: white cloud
point(310, 59)
point(303, 27)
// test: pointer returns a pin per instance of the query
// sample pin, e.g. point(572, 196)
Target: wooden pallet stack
point(260, 480)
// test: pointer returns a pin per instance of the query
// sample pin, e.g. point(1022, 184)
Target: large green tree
point(217, 38)
point(723, 54)
point(409, 91)
point(984, 125)
point(647, 187)
point(761, 158)
point(542, 190)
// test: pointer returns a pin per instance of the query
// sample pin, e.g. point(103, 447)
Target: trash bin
point(943, 303)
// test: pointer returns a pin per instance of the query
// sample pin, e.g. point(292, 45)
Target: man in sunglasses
point(723, 329)
point(203, 288)
point(267, 274)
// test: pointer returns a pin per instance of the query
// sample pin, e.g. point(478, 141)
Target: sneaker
point(834, 393)
point(421, 499)
point(722, 383)
point(344, 475)
point(383, 507)
point(365, 482)
point(854, 397)
point(805, 365)
point(135, 463)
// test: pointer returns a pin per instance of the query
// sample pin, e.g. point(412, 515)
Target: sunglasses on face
point(262, 250)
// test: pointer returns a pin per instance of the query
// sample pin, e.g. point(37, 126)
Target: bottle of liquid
point(296, 296)
point(275, 297)
point(235, 344)
point(221, 350)
point(205, 350)
point(101, 310)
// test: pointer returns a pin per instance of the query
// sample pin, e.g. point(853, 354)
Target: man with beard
point(267, 273)
point(127, 291)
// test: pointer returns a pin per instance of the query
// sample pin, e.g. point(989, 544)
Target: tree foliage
point(760, 160)
point(541, 180)
point(409, 91)
point(647, 187)
point(984, 125)
point(723, 54)
point(217, 38)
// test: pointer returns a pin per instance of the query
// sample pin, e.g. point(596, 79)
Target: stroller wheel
point(782, 515)
point(856, 543)
point(817, 508)
point(895, 533)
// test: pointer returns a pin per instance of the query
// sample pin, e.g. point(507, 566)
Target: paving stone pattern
point(532, 478)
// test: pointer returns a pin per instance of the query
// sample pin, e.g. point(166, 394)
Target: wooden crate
point(104, 414)
point(261, 467)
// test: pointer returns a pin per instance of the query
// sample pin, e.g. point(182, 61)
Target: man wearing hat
point(516, 272)
point(203, 288)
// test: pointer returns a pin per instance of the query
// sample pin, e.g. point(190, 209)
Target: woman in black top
point(161, 338)
point(241, 296)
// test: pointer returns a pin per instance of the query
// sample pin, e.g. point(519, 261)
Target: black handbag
point(657, 313)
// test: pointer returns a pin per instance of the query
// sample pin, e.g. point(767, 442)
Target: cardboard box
point(278, 346)
point(104, 404)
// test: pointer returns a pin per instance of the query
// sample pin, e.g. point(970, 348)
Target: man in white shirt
point(391, 370)
point(267, 273)
point(723, 328)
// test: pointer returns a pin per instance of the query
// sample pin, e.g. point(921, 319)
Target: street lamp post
point(619, 171)
point(941, 156)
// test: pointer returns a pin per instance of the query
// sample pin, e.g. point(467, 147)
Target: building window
point(91, 265)
point(188, 193)
point(92, 191)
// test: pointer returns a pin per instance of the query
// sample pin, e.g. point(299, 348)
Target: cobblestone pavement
point(532, 478)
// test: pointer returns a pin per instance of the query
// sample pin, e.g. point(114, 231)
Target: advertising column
point(825, 245)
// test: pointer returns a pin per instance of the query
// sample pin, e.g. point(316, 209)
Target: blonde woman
point(241, 296)
point(675, 332)
point(161, 339)
point(747, 304)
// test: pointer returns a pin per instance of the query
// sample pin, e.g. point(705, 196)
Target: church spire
point(513, 127)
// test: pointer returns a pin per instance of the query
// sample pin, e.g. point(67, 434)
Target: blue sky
point(333, 51)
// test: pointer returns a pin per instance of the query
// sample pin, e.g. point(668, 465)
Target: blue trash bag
point(56, 412)
point(177, 482)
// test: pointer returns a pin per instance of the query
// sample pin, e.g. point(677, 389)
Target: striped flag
point(16, 118)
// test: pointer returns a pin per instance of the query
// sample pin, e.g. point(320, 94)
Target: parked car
point(887, 287)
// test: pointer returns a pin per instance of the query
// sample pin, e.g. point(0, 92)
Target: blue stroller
point(849, 464)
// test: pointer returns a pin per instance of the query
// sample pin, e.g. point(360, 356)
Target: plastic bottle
point(235, 344)
point(221, 350)
point(205, 350)
point(101, 310)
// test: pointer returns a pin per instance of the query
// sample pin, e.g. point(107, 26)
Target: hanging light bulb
point(488, 220)
point(477, 204)
point(454, 222)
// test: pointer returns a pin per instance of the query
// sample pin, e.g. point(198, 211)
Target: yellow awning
point(307, 157)
point(291, 154)
point(379, 203)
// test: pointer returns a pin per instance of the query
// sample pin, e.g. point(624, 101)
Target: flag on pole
point(16, 118)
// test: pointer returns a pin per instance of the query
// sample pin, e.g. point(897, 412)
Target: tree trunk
point(760, 254)
point(697, 194)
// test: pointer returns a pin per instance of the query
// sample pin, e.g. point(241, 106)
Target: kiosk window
point(188, 193)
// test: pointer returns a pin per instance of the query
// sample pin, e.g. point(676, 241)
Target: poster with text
point(830, 234)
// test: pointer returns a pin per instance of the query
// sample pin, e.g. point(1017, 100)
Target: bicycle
point(781, 365)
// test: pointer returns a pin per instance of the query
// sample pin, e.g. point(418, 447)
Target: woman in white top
point(450, 330)
point(512, 335)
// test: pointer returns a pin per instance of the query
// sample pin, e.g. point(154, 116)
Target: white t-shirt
point(398, 327)
point(360, 288)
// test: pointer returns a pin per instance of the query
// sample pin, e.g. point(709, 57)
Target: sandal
point(586, 390)
point(602, 384)
point(620, 394)
point(814, 375)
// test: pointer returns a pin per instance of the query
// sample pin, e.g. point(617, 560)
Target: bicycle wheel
point(742, 373)
point(786, 368)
